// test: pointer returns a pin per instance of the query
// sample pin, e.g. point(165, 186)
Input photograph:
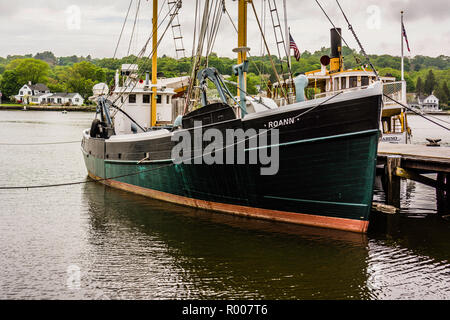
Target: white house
point(29, 90)
point(40, 94)
point(426, 104)
point(63, 98)
point(430, 103)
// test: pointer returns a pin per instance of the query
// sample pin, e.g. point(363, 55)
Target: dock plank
point(414, 150)
point(421, 157)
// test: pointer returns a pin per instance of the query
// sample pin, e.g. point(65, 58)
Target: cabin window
point(158, 98)
point(146, 98)
point(132, 98)
point(353, 82)
point(364, 81)
point(343, 83)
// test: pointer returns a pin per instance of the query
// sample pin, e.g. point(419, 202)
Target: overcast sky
point(83, 27)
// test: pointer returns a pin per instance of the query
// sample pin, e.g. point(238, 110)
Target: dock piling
point(393, 181)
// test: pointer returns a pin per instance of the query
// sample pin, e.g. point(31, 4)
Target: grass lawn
point(10, 105)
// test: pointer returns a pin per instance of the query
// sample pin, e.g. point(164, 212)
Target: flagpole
point(286, 31)
point(401, 36)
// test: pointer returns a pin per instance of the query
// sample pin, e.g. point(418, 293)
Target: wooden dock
point(412, 162)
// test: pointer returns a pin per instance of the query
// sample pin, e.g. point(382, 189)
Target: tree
point(46, 56)
point(442, 93)
point(30, 70)
point(430, 83)
point(9, 84)
point(419, 86)
point(82, 76)
point(445, 89)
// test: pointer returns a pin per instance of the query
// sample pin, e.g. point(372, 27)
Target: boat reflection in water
point(144, 248)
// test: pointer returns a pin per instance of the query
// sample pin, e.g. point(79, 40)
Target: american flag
point(294, 46)
point(406, 38)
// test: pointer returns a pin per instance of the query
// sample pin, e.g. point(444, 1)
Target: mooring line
point(163, 166)
point(38, 143)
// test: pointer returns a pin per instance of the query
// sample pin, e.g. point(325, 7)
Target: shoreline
point(48, 108)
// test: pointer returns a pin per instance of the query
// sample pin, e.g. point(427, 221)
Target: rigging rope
point(38, 143)
point(340, 35)
point(411, 109)
point(123, 27)
point(350, 27)
point(268, 52)
point(134, 26)
point(150, 55)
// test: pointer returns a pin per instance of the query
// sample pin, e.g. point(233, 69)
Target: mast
point(154, 63)
point(401, 36)
point(242, 38)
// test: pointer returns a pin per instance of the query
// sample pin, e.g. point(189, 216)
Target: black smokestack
point(336, 42)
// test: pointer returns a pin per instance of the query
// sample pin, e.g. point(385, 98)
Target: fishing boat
point(322, 151)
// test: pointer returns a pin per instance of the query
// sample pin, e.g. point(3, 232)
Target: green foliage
point(430, 83)
point(9, 84)
point(30, 69)
point(82, 76)
point(46, 56)
point(75, 73)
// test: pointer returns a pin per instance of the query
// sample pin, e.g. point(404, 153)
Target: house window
point(132, 98)
point(158, 98)
point(29, 92)
point(59, 100)
point(146, 98)
point(167, 99)
point(77, 99)
point(43, 100)
point(21, 93)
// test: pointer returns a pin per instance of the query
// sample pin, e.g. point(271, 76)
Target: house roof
point(38, 87)
point(63, 95)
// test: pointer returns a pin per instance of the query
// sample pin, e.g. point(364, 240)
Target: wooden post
point(393, 182)
point(443, 194)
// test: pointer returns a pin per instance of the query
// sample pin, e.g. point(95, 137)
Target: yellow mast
point(242, 36)
point(154, 63)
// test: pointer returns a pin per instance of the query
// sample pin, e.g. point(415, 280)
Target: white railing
point(395, 90)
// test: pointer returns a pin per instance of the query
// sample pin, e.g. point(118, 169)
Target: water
point(93, 242)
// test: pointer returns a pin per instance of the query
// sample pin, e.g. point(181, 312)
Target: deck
point(418, 157)
point(411, 162)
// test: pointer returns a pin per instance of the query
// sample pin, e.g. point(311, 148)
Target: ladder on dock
point(180, 51)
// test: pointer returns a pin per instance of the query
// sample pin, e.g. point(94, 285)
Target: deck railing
point(396, 90)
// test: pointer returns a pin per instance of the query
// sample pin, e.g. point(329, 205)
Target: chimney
point(336, 50)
